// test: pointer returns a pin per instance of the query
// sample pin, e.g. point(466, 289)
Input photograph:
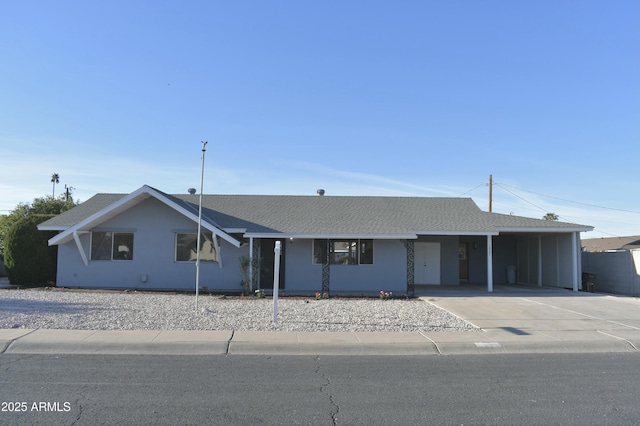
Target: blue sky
point(406, 98)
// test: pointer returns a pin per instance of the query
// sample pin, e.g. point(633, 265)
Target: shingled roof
point(612, 243)
point(327, 216)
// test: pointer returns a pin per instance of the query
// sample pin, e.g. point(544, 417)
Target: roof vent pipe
point(320, 192)
point(192, 191)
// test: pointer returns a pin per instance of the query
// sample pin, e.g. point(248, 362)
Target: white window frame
point(358, 251)
point(112, 249)
point(209, 238)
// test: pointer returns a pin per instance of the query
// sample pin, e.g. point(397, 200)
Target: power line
point(564, 218)
point(563, 199)
point(516, 195)
point(471, 190)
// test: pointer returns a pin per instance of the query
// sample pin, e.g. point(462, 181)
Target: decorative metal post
point(204, 144)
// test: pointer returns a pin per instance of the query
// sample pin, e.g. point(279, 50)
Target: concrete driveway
point(542, 319)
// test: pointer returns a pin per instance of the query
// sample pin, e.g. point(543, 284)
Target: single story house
point(333, 244)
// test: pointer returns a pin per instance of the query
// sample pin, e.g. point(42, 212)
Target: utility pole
point(67, 192)
point(490, 193)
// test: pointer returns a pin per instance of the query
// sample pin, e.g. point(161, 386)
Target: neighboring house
point(334, 244)
point(611, 243)
point(615, 262)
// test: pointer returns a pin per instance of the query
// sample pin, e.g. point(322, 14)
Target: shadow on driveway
point(499, 290)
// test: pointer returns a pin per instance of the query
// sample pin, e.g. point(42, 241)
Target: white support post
point(489, 263)
point(250, 263)
point(276, 281)
point(574, 260)
point(539, 261)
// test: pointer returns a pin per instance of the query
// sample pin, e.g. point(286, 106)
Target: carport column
point(539, 260)
point(251, 263)
point(489, 263)
point(574, 259)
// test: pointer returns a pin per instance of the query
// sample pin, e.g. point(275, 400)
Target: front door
point(267, 253)
point(427, 263)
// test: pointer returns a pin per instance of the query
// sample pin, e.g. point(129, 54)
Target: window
point(366, 252)
point(320, 252)
point(108, 245)
point(186, 247)
point(343, 252)
point(346, 252)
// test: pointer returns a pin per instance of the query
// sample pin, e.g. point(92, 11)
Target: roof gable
point(87, 218)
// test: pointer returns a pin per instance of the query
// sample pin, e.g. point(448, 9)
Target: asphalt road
point(355, 390)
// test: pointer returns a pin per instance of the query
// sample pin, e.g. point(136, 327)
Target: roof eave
point(545, 229)
point(456, 233)
point(331, 236)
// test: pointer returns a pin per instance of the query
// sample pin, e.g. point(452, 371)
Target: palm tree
point(550, 216)
point(55, 178)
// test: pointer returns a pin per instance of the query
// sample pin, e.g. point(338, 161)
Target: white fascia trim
point(234, 230)
point(102, 215)
point(123, 204)
point(456, 233)
point(335, 236)
point(546, 230)
point(52, 228)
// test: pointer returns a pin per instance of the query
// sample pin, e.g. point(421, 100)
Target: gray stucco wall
point(449, 260)
point(616, 272)
point(388, 272)
point(504, 254)
point(154, 226)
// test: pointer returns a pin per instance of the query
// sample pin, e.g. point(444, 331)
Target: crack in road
point(77, 419)
point(324, 391)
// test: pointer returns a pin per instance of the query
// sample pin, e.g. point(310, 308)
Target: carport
point(543, 257)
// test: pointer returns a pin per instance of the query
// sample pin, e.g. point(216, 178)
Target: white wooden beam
point(76, 238)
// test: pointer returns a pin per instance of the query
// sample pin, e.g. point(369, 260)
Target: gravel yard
point(95, 310)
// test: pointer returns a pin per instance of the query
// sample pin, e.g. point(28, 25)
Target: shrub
point(28, 258)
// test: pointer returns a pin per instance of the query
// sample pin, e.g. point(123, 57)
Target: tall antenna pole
point(204, 144)
point(490, 193)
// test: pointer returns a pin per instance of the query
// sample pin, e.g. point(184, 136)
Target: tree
point(55, 178)
point(28, 258)
point(44, 205)
point(550, 216)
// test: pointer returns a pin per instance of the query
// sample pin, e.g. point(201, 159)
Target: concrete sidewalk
point(519, 320)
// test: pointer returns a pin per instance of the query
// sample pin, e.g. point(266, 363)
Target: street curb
point(227, 342)
point(103, 348)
